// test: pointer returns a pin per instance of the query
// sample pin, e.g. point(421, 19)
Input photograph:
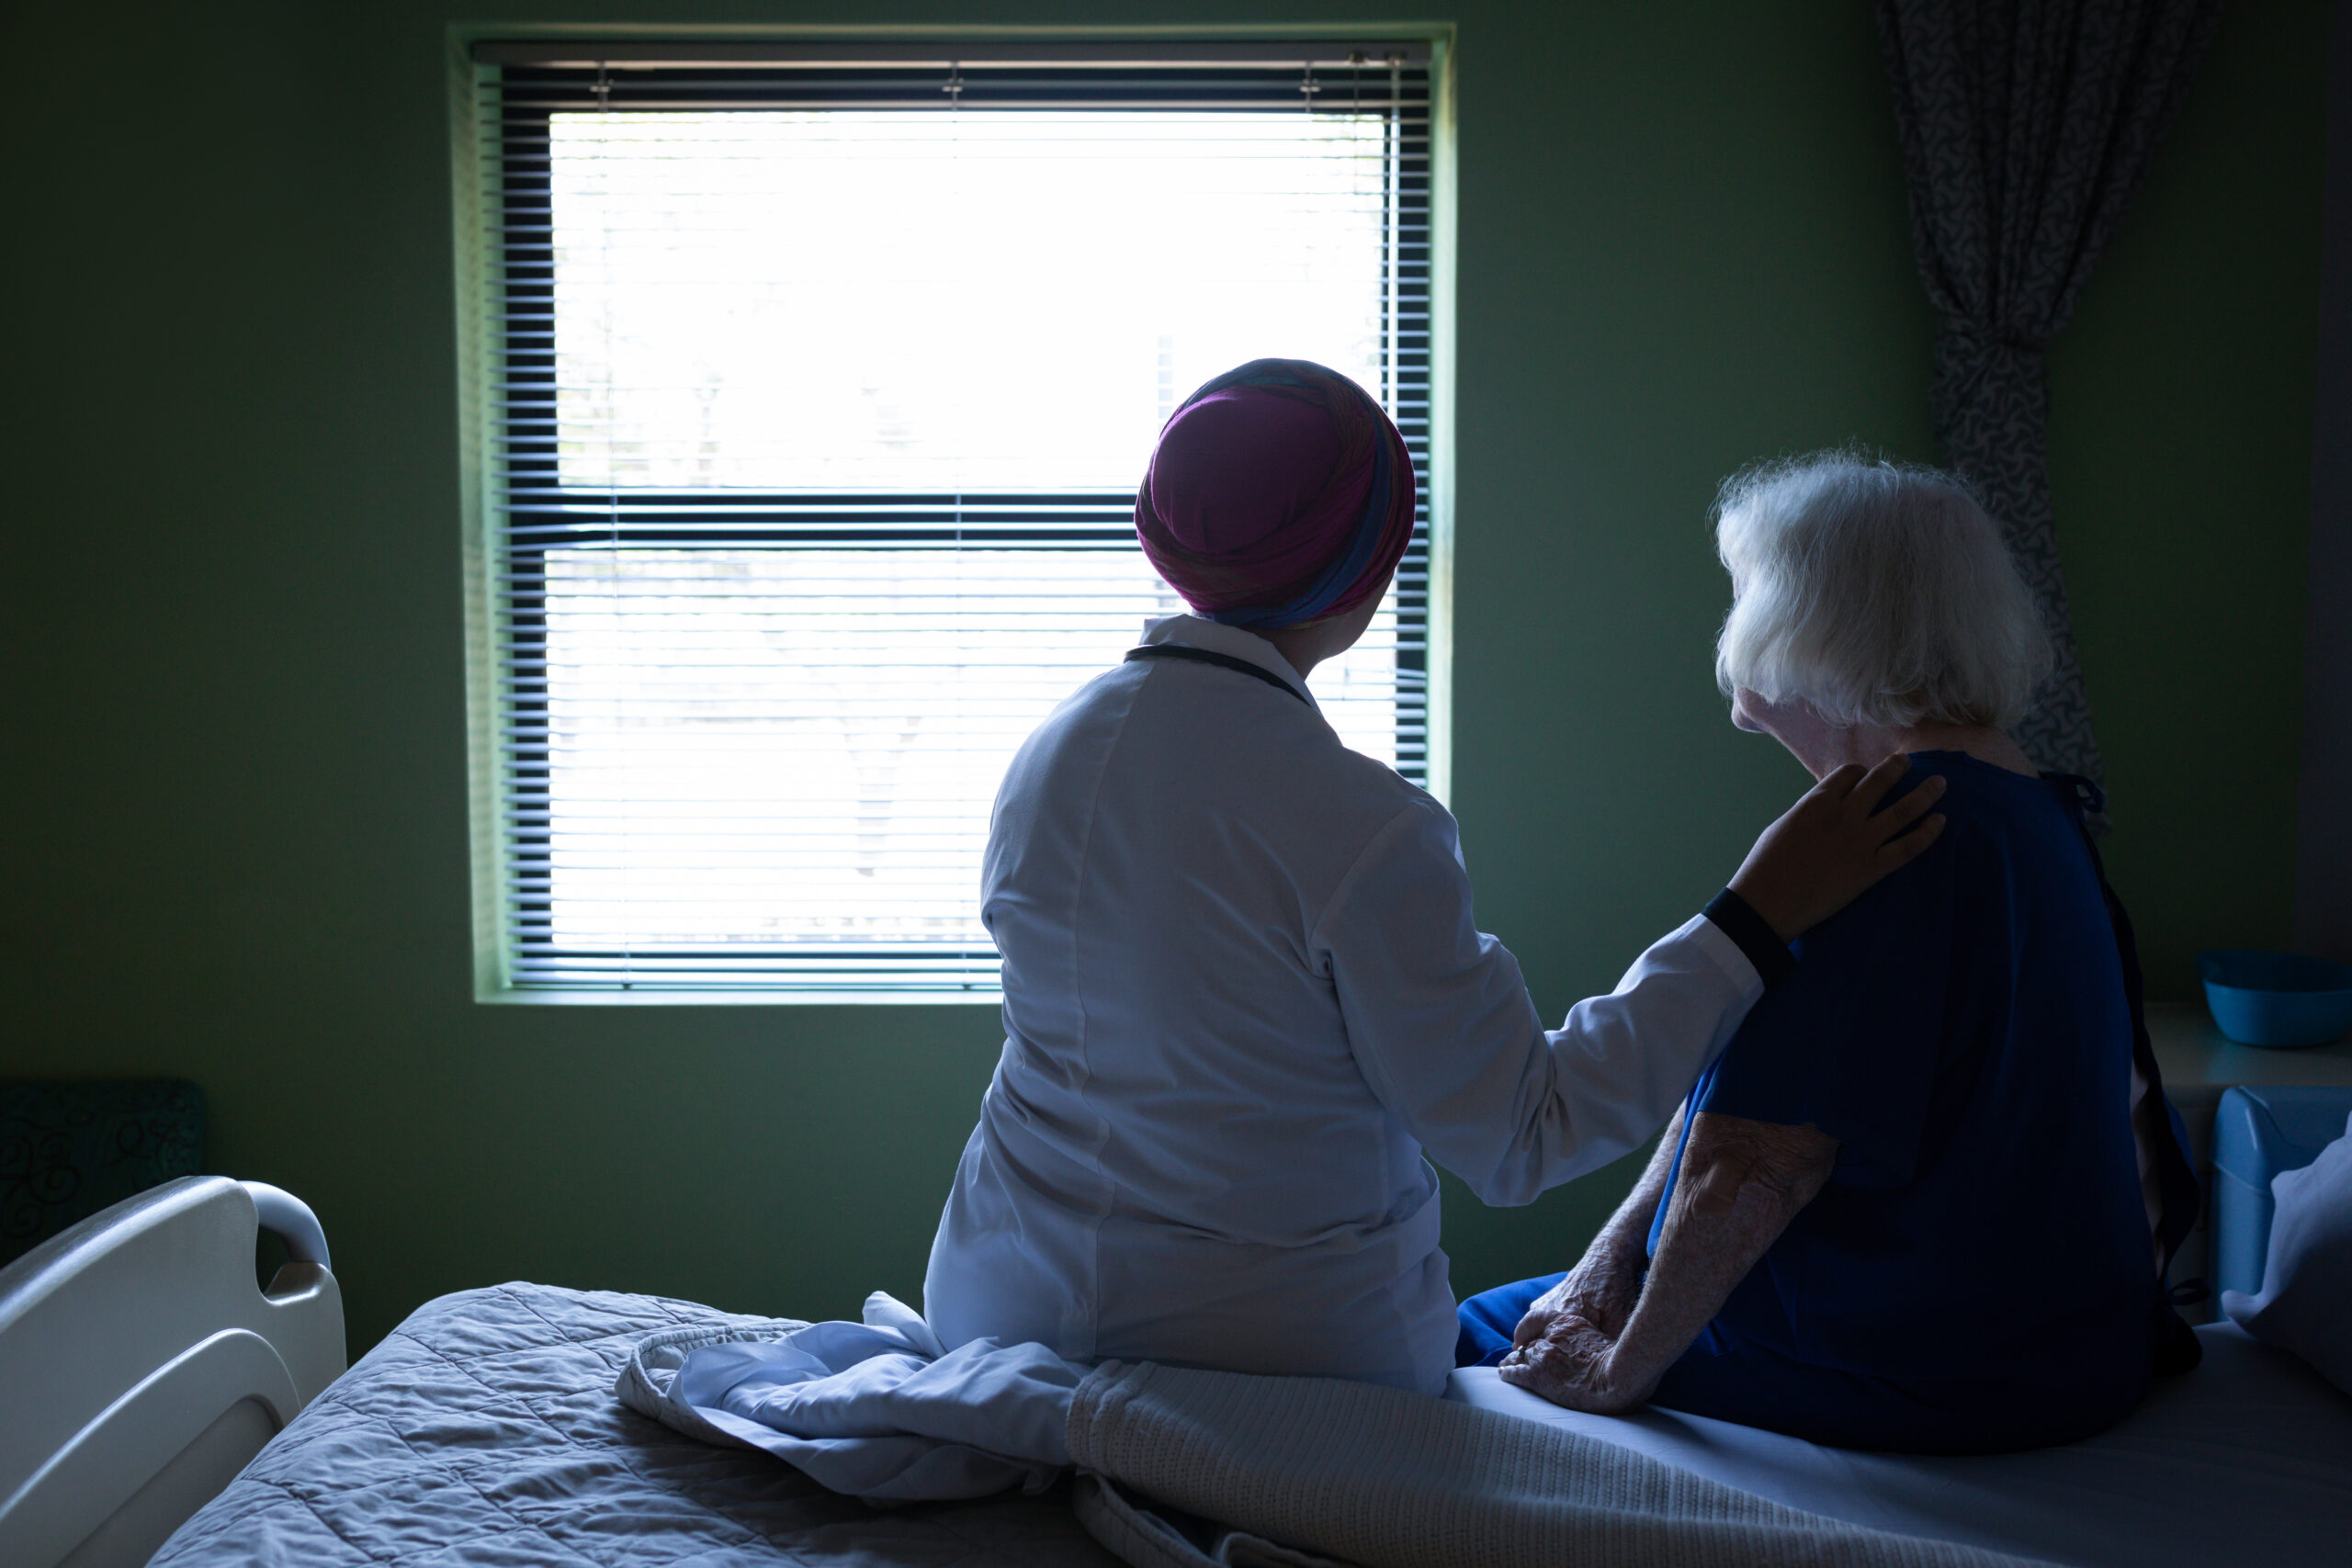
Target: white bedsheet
point(2247, 1459)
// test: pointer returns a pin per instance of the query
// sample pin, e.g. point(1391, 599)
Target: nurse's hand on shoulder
point(1828, 849)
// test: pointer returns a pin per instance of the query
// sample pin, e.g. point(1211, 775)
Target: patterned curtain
point(2025, 126)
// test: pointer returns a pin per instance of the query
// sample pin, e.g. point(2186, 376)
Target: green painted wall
point(235, 790)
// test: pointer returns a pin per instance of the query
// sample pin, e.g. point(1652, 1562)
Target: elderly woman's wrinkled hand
point(1601, 1290)
point(1563, 1346)
point(1573, 1363)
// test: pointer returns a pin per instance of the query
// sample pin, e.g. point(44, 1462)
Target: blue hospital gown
point(1978, 1273)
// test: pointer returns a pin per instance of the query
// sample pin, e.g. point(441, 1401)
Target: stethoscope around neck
point(1222, 660)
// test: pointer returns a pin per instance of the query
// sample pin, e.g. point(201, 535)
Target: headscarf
point(1280, 494)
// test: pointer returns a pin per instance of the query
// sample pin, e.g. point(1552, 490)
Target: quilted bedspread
point(484, 1430)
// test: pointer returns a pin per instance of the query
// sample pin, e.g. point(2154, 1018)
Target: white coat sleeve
point(1442, 1025)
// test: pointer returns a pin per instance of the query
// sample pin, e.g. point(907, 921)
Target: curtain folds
point(2025, 125)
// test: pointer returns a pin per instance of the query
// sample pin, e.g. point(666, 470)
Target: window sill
point(586, 996)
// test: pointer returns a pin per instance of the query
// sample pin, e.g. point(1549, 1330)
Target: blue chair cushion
point(2258, 1133)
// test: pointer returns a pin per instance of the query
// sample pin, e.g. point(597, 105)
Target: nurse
point(1245, 1002)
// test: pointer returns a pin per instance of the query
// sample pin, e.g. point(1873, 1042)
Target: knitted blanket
point(1384, 1479)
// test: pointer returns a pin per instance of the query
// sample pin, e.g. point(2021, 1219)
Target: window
point(819, 390)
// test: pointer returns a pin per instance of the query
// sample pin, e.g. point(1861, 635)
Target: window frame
point(514, 280)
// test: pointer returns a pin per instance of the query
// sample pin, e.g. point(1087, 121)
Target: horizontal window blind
point(820, 393)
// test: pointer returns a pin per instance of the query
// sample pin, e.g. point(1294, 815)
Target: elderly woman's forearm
point(1700, 1260)
point(1742, 1182)
point(1606, 1281)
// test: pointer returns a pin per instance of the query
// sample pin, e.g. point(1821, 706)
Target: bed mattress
point(484, 1430)
point(2246, 1460)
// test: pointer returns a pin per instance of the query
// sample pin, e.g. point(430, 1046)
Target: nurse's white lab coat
point(1243, 996)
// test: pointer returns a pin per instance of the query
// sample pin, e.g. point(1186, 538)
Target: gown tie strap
point(2179, 1192)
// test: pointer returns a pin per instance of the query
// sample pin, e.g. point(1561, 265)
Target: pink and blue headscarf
point(1280, 494)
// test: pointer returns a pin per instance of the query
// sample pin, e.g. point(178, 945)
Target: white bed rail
point(144, 1367)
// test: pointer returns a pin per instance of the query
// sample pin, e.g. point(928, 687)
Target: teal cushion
point(68, 1150)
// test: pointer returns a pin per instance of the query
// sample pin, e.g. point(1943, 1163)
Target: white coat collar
point(1191, 631)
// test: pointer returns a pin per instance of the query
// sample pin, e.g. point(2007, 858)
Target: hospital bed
point(144, 1368)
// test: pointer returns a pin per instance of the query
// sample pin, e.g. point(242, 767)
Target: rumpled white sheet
point(1195, 1469)
point(875, 1409)
point(2307, 1275)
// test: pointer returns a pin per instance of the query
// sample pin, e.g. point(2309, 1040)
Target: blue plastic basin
point(2282, 1000)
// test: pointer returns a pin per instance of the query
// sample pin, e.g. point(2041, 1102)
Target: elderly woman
point(1243, 993)
point(1924, 1200)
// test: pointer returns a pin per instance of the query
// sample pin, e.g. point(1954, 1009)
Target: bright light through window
point(924, 301)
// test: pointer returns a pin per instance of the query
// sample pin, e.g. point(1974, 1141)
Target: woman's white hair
point(1878, 592)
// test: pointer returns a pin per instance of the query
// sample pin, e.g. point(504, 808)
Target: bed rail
point(144, 1367)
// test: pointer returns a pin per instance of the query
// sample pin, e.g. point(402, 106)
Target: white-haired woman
point(1924, 1199)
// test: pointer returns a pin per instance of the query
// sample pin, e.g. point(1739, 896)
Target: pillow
point(2306, 1301)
